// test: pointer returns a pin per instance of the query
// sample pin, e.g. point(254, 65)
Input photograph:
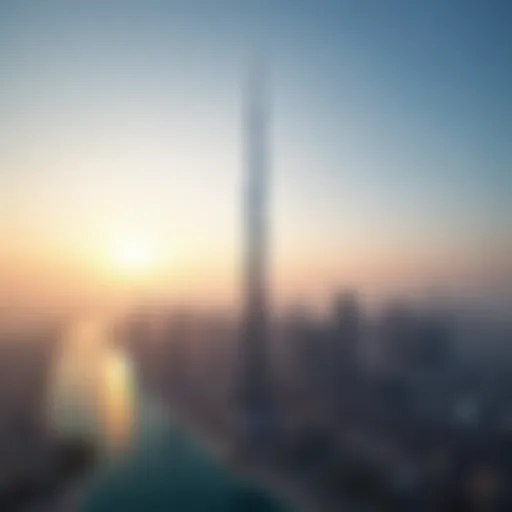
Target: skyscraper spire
point(256, 408)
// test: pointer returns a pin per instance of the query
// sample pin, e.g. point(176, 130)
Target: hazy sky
point(122, 120)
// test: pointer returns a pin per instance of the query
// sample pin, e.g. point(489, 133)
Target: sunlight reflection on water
point(92, 392)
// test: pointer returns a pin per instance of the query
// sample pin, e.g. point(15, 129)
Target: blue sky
point(390, 141)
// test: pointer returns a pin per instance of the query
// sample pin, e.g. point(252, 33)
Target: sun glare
point(132, 256)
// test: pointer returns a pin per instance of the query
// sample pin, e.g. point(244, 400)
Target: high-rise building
point(347, 326)
point(257, 413)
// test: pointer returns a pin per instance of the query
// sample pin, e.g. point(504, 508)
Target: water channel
point(149, 461)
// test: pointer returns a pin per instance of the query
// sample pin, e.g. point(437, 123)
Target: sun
point(132, 256)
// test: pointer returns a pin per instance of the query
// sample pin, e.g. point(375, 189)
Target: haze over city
point(121, 148)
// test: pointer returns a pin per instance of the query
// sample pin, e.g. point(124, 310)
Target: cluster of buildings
point(36, 465)
point(420, 426)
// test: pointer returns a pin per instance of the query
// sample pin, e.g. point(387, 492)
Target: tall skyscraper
point(257, 414)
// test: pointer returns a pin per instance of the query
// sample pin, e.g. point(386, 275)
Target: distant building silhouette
point(347, 326)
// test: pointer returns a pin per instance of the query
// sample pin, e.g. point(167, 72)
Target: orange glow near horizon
point(112, 265)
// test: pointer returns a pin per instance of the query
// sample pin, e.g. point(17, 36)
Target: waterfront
point(149, 460)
